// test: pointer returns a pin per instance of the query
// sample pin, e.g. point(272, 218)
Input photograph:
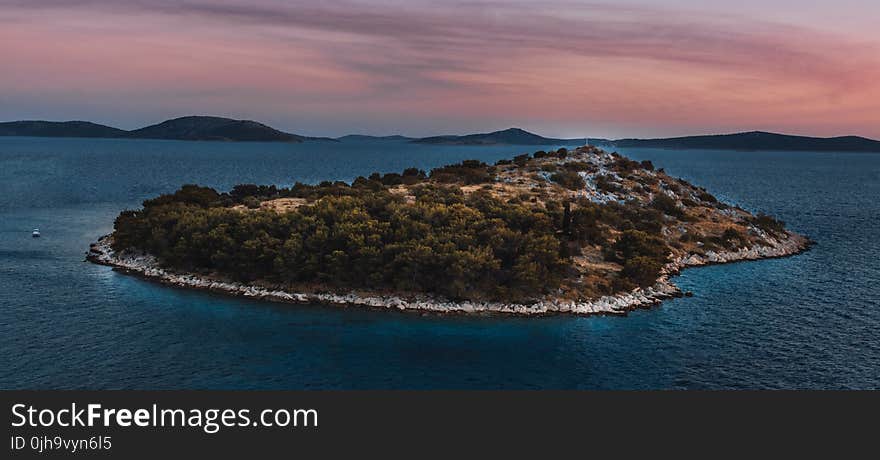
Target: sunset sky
point(561, 68)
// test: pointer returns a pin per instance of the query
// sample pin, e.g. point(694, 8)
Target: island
point(204, 128)
point(38, 128)
point(211, 128)
point(189, 128)
point(751, 141)
point(511, 136)
point(580, 231)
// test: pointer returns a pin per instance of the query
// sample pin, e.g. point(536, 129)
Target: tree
point(666, 204)
point(642, 270)
point(585, 225)
point(636, 243)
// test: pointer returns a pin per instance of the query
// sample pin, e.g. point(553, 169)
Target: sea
point(802, 322)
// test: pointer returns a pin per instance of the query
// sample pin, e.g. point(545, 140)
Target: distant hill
point(207, 128)
point(756, 140)
point(36, 128)
point(202, 128)
point(191, 128)
point(364, 137)
point(512, 136)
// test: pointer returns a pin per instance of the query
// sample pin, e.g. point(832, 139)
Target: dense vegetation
point(437, 239)
point(445, 243)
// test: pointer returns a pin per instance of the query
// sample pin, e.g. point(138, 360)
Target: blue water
point(810, 321)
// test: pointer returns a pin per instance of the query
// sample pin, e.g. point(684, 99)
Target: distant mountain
point(756, 140)
point(364, 137)
point(37, 128)
point(201, 128)
point(512, 136)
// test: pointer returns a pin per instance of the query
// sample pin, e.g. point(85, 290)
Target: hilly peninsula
point(580, 231)
point(756, 140)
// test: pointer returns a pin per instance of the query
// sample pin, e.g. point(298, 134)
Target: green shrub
point(467, 172)
point(768, 223)
point(251, 203)
point(569, 179)
point(625, 165)
point(643, 271)
point(636, 243)
point(605, 184)
point(188, 194)
point(667, 205)
point(707, 197)
point(731, 238)
point(578, 166)
point(392, 179)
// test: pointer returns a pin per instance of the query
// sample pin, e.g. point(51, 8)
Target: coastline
point(146, 266)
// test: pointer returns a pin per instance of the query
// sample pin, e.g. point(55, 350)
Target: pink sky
point(561, 68)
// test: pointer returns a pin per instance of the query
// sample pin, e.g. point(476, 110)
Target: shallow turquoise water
point(810, 321)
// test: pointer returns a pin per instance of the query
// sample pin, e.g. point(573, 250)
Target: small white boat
point(36, 233)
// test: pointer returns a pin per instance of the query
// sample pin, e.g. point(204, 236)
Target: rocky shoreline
point(146, 266)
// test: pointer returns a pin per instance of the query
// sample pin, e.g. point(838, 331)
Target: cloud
point(451, 32)
point(385, 53)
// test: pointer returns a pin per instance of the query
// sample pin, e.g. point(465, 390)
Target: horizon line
point(483, 131)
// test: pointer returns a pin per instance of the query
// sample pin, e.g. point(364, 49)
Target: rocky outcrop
point(146, 266)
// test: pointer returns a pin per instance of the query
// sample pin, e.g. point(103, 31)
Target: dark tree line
point(445, 243)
